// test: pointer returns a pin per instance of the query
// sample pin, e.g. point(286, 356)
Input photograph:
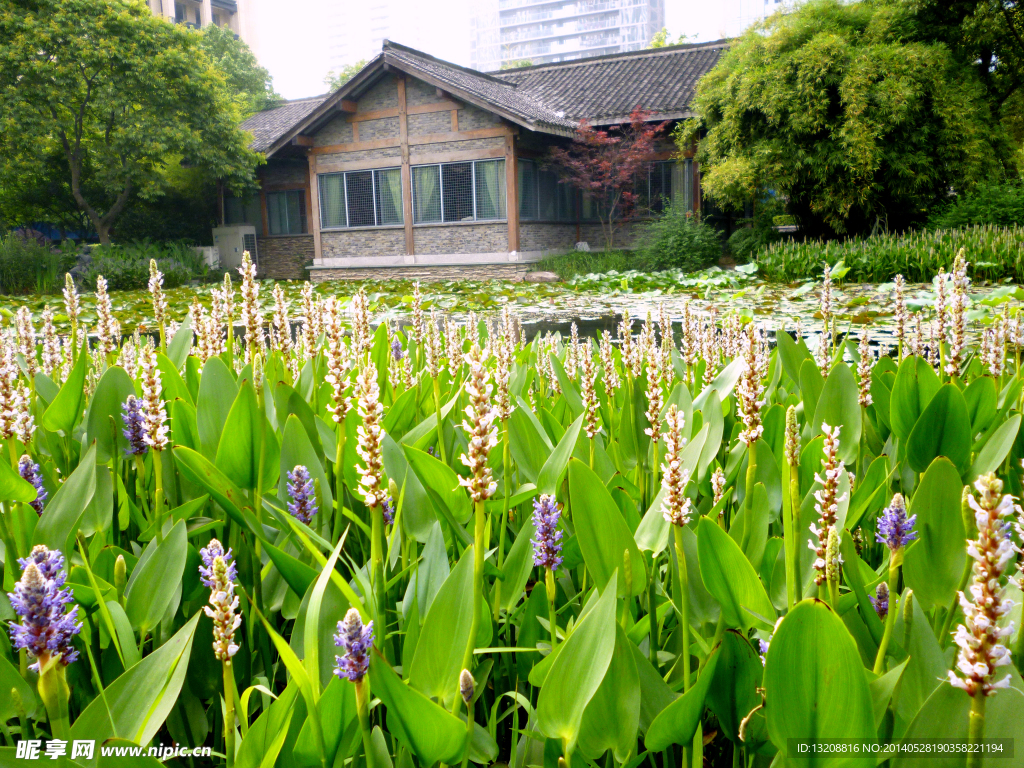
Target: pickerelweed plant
point(687, 541)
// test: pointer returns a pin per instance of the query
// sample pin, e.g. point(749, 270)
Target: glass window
point(452, 192)
point(371, 198)
point(286, 212)
point(543, 195)
point(527, 189)
point(490, 189)
point(359, 194)
point(388, 192)
point(332, 201)
point(426, 194)
point(457, 191)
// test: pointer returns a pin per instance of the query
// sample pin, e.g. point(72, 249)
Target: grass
point(579, 263)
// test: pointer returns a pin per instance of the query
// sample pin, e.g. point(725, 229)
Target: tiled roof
point(271, 124)
point(488, 88)
point(605, 89)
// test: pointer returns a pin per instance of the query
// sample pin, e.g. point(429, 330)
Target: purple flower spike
point(357, 640)
point(397, 353)
point(134, 426)
point(210, 553)
point(547, 547)
point(29, 471)
point(895, 529)
point(301, 492)
point(881, 600)
point(40, 598)
point(218, 573)
point(388, 508)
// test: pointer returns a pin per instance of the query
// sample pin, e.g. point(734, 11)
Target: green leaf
point(179, 346)
point(997, 447)
point(551, 473)
point(441, 484)
point(612, 717)
point(13, 487)
point(815, 687)
point(200, 471)
point(603, 534)
point(733, 693)
point(136, 704)
point(238, 452)
point(792, 353)
point(655, 694)
point(528, 442)
point(730, 578)
point(217, 392)
point(171, 381)
point(431, 733)
point(677, 723)
point(577, 672)
point(296, 449)
point(111, 392)
point(943, 430)
point(262, 744)
point(66, 407)
point(914, 387)
point(59, 525)
point(811, 384)
point(444, 636)
point(933, 564)
point(155, 579)
point(981, 397)
point(838, 406)
point(313, 625)
point(296, 573)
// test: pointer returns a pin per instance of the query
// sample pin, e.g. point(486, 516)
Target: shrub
point(1001, 204)
point(993, 252)
point(27, 266)
point(126, 267)
point(577, 263)
point(679, 240)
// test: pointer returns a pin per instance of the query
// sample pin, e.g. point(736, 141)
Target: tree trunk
point(103, 230)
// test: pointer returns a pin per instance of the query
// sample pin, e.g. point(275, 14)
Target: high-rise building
point(544, 31)
point(700, 20)
point(234, 14)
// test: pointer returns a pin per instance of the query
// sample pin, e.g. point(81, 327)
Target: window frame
point(374, 195)
point(538, 183)
point(303, 212)
point(440, 191)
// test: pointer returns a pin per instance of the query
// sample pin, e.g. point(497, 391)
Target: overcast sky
point(293, 38)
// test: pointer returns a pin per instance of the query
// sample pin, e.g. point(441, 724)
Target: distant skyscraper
point(700, 20)
point(237, 15)
point(542, 31)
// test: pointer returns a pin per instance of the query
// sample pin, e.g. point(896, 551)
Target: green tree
point(854, 112)
point(116, 91)
point(245, 77)
point(661, 39)
point(338, 77)
point(516, 63)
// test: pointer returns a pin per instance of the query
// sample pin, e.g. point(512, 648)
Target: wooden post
point(403, 132)
point(314, 207)
point(512, 192)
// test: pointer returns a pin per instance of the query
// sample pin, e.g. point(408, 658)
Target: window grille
point(542, 197)
point(370, 198)
point(286, 212)
point(453, 192)
point(527, 190)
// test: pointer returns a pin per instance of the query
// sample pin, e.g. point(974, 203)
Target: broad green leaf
point(171, 381)
point(811, 384)
point(60, 523)
point(418, 516)
point(238, 453)
point(932, 565)
point(103, 417)
point(221, 488)
point(217, 392)
point(155, 579)
point(612, 717)
point(528, 442)
point(296, 450)
point(136, 704)
point(337, 713)
point(603, 535)
point(914, 387)
point(13, 487)
point(655, 694)
point(943, 430)
point(981, 398)
point(441, 484)
point(814, 682)
point(577, 672)
point(792, 353)
point(838, 406)
point(733, 692)
point(296, 573)
point(553, 471)
point(730, 578)
point(422, 434)
point(313, 624)
point(179, 346)
point(66, 408)
point(444, 636)
point(262, 744)
point(518, 565)
point(677, 723)
point(723, 384)
point(997, 447)
point(431, 733)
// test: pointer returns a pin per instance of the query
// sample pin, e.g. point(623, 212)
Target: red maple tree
point(604, 164)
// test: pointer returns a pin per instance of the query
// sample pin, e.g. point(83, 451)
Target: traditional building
point(421, 168)
point(237, 15)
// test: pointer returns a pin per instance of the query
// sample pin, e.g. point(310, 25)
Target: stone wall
point(383, 95)
point(429, 122)
point(284, 172)
point(461, 238)
point(472, 118)
point(626, 236)
point(371, 241)
point(546, 237)
point(513, 272)
point(284, 257)
point(382, 128)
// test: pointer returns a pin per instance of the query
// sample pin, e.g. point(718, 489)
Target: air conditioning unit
point(232, 241)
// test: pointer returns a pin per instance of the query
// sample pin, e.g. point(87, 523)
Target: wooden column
point(403, 132)
point(314, 206)
point(512, 192)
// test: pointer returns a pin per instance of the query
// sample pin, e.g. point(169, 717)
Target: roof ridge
point(586, 60)
point(392, 45)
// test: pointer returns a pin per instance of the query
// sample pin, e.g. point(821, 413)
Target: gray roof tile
point(271, 124)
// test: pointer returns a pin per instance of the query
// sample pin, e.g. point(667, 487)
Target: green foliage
point(577, 263)
point(337, 78)
point(27, 266)
point(124, 93)
point(994, 253)
point(679, 240)
point(126, 267)
point(250, 82)
point(516, 63)
point(1001, 205)
point(854, 112)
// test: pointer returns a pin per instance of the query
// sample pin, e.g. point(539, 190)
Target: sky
point(298, 53)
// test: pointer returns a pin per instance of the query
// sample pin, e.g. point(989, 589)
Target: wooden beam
point(355, 132)
point(347, 105)
point(403, 135)
point(512, 193)
point(428, 138)
point(415, 109)
point(314, 206)
point(455, 121)
point(303, 141)
point(428, 158)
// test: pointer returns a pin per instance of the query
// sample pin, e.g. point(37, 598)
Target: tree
point(603, 165)
point(337, 78)
point(661, 39)
point(245, 77)
point(516, 63)
point(842, 109)
point(116, 91)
